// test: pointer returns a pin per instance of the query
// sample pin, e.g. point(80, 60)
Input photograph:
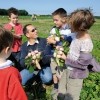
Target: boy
point(10, 86)
point(60, 21)
point(17, 30)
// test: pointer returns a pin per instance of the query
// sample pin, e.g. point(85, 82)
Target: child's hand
point(61, 55)
point(17, 36)
point(62, 37)
point(51, 40)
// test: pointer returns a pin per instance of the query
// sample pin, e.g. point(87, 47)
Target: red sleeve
point(8, 27)
point(19, 29)
point(16, 91)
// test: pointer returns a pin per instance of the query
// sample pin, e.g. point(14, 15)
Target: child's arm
point(51, 40)
point(83, 61)
point(20, 32)
point(17, 36)
point(67, 38)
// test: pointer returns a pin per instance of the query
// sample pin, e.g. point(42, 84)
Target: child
point(16, 29)
point(10, 86)
point(80, 22)
point(60, 21)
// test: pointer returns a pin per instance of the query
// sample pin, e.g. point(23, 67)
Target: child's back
point(10, 86)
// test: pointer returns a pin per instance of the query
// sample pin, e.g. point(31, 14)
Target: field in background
point(44, 25)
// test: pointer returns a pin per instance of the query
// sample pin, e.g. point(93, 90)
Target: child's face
point(32, 32)
point(58, 21)
point(13, 18)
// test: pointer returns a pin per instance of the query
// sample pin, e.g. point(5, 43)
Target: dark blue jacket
point(41, 46)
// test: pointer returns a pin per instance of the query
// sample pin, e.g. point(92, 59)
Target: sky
point(48, 6)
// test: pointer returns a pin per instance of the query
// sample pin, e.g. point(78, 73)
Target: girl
point(80, 22)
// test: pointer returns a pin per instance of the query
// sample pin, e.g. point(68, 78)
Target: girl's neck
point(12, 24)
point(81, 34)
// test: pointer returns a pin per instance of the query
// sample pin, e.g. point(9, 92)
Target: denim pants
point(45, 75)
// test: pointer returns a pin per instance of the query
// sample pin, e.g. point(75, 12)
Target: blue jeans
point(25, 75)
point(45, 75)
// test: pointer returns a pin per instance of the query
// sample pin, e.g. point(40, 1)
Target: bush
point(91, 87)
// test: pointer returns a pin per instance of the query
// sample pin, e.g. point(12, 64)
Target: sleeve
point(15, 90)
point(96, 65)
point(52, 31)
point(8, 27)
point(82, 63)
point(67, 38)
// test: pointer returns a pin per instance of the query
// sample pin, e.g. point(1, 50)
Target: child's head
point(59, 17)
point(13, 15)
point(30, 31)
point(81, 20)
point(6, 41)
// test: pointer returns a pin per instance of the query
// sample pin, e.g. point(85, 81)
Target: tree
point(23, 12)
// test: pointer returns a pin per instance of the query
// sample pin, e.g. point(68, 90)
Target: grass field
point(44, 25)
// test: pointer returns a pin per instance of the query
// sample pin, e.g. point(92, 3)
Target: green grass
point(44, 26)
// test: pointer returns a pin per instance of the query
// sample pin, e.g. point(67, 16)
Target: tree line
point(21, 12)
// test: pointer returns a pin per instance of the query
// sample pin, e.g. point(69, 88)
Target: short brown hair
point(81, 19)
point(61, 12)
point(25, 28)
point(12, 10)
point(6, 39)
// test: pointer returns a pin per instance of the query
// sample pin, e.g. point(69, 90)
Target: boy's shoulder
point(7, 26)
point(10, 70)
point(13, 69)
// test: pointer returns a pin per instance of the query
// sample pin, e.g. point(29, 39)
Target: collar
point(36, 41)
point(12, 24)
point(8, 63)
point(64, 27)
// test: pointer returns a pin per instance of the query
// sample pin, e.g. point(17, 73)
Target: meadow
point(91, 86)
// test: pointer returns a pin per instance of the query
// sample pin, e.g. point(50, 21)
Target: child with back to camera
point(10, 79)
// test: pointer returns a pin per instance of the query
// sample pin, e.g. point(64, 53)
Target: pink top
point(18, 30)
point(77, 46)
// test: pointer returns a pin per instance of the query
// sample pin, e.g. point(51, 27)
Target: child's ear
point(64, 19)
point(7, 49)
